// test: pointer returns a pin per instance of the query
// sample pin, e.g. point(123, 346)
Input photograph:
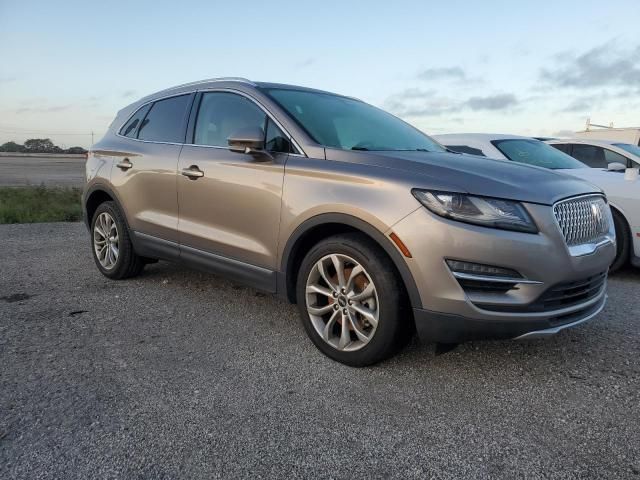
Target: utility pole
point(92, 138)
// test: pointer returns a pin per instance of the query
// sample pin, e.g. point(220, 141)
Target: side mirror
point(249, 140)
point(616, 167)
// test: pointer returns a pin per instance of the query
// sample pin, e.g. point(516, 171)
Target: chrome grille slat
point(583, 220)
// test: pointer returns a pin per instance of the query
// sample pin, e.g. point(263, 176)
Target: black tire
point(128, 263)
point(623, 242)
point(395, 324)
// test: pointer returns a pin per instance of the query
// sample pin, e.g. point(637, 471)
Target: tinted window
point(535, 152)
point(349, 124)
point(165, 120)
point(590, 155)
point(130, 128)
point(466, 149)
point(563, 147)
point(222, 114)
point(276, 140)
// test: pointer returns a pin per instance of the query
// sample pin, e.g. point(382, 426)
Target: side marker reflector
point(403, 248)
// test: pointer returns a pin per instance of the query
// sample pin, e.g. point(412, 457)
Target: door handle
point(124, 164)
point(193, 172)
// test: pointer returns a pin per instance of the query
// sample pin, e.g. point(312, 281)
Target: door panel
point(232, 210)
point(148, 187)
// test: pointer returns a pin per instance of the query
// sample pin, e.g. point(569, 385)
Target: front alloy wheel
point(352, 301)
point(342, 302)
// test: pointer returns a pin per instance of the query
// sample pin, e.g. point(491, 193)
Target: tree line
point(38, 145)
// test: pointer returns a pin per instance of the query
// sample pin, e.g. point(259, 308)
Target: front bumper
point(451, 313)
point(450, 328)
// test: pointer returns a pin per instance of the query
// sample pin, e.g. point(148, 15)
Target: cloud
point(7, 79)
point(580, 104)
point(450, 73)
point(128, 93)
point(414, 94)
point(604, 65)
point(307, 62)
point(563, 133)
point(53, 109)
point(415, 102)
point(492, 102)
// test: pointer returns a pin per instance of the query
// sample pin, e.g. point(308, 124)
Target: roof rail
point(219, 79)
point(199, 82)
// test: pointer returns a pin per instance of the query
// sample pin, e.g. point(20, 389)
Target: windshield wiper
point(362, 149)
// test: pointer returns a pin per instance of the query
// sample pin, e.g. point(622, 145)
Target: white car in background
point(599, 153)
point(623, 194)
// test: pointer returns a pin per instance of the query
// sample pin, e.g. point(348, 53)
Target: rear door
point(144, 174)
point(233, 209)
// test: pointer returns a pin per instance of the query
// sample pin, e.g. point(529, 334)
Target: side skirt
point(250, 275)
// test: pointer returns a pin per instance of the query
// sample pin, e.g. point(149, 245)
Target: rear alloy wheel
point(352, 302)
point(105, 240)
point(111, 244)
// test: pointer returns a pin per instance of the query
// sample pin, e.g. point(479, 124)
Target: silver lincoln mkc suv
point(374, 229)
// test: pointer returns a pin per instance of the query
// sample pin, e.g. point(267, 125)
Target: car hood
point(475, 175)
point(612, 183)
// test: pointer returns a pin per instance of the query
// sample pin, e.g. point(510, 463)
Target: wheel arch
point(618, 211)
point(94, 196)
point(615, 210)
point(315, 229)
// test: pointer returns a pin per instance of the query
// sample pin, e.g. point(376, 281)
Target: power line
point(21, 131)
point(15, 132)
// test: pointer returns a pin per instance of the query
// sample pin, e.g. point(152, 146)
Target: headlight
point(488, 212)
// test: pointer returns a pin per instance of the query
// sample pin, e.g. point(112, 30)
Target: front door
point(231, 206)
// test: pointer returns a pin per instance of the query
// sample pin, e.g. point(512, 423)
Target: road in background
point(179, 374)
point(52, 171)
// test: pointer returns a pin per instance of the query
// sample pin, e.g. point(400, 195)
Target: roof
point(586, 141)
point(228, 81)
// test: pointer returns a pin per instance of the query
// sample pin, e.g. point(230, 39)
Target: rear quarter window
point(130, 129)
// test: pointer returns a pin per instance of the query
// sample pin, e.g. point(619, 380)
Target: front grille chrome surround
point(583, 220)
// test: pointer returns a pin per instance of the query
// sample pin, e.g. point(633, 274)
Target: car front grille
point(562, 295)
point(582, 220)
point(571, 293)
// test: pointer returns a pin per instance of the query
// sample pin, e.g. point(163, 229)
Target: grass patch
point(40, 204)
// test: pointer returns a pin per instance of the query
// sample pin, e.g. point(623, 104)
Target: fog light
point(470, 268)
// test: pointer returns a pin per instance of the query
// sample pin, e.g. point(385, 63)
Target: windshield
point(534, 152)
point(635, 150)
point(349, 124)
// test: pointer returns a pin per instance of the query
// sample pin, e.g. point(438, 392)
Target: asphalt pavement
point(180, 374)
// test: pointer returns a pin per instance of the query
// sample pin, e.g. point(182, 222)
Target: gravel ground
point(183, 374)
